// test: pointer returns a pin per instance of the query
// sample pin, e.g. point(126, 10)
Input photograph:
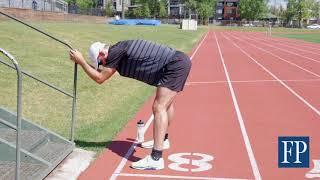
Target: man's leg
point(166, 145)
point(161, 105)
point(163, 112)
point(170, 112)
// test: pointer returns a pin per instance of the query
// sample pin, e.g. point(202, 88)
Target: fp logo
point(293, 152)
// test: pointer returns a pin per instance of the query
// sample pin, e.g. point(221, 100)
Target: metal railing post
point(19, 111)
point(74, 102)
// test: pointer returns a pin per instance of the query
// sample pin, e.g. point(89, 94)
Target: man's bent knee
point(158, 107)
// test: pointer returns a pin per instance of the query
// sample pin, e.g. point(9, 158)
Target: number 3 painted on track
point(315, 172)
point(178, 160)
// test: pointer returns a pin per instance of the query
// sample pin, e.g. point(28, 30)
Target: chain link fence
point(74, 9)
point(38, 5)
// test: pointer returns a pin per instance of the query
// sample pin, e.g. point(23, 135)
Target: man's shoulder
point(121, 45)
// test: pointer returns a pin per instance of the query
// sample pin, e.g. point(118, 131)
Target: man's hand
point(77, 57)
point(99, 77)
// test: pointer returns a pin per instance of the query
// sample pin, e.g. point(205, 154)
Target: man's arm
point(95, 75)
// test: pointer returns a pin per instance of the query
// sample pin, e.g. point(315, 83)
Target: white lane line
point(250, 81)
point(275, 77)
point(291, 63)
point(245, 136)
point(290, 52)
point(290, 46)
point(175, 177)
point(294, 42)
point(134, 145)
point(129, 152)
point(285, 41)
point(194, 53)
point(304, 44)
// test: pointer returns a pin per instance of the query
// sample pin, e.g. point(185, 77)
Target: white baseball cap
point(94, 50)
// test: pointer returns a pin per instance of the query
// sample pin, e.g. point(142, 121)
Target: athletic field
point(102, 110)
point(246, 89)
point(246, 92)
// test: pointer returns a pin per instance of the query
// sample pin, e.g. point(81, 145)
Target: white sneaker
point(149, 144)
point(148, 163)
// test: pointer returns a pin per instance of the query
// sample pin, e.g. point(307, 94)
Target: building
point(177, 8)
point(117, 5)
point(40, 5)
point(227, 10)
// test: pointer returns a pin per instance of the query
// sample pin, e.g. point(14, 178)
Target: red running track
point(240, 97)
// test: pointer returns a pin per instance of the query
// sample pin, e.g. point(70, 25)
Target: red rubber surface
point(273, 98)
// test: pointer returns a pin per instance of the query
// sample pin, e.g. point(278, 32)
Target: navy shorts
point(176, 72)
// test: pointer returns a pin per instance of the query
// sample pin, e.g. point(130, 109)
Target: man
point(154, 64)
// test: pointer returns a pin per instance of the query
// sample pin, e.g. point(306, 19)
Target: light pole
point(122, 15)
point(168, 2)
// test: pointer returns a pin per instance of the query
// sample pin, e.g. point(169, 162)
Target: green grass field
point(314, 37)
point(102, 109)
point(264, 29)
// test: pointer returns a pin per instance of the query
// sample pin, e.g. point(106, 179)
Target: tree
point(204, 8)
point(85, 4)
point(252, 9)
point(156, 6)
point(281, 15)
point(315, 10)
point(290, 12)
point(145, 10)
point(302, 10)
point(153, 7)
point(299, 10)
point(71, 1)
point(137, 12)
point(162, 9)
point(191, 4)
point(108, 10)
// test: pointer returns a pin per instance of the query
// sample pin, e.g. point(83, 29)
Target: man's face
point(103, 54)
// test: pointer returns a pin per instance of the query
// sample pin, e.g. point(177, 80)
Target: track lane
point(290, 41)
point(270, 111)
point(301, 50)
point(284, 71)
point(205, 122)
point(306, 63)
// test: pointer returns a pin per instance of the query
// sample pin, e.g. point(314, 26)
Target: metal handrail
point(39, 80)
point(36, 29)
point(19, 110)
point(74, 96)
point(19, 103)
point(75, 77)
